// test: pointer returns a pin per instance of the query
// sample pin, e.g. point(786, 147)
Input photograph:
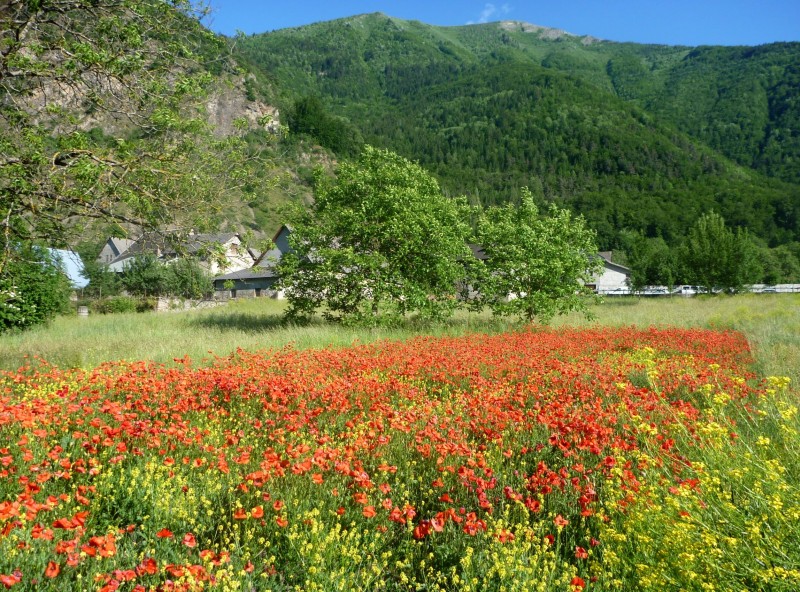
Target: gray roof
point(265, 267)
point(250, 273)
point(120, 245)
point(195, 242)
point(616, 266)
point(156, 243)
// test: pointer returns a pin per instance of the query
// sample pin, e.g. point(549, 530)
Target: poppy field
point(550, 459)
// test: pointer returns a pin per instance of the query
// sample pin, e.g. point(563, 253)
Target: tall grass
point(71, 341)
point(771, 323)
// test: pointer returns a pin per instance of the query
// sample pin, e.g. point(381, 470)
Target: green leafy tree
point(102, 282)
point(537, 266)
point(137, 67)
point(308, 116)
point(380, 241)
point(716, 256)
point(187, 278)
point(145, 275)
point(651, 260)
point(33, 291)
point(779, 265)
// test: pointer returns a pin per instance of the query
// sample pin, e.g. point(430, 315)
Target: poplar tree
point(716, 256)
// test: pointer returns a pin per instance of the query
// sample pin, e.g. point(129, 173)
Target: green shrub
point(146, 304)
point(33, 288)
point(115, 304)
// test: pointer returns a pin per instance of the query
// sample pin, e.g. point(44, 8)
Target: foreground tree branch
point(132, 68)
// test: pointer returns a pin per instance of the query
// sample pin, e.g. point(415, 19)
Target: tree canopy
point(134, 68)
point(379, 242)
point(716, 256)
point(33, 289)
point(536, 266)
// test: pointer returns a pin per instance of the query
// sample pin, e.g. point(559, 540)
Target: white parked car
point(689, 290)
point(654, 291)
point(621, 291)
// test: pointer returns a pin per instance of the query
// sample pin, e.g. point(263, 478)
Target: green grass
point(771, 323)
point(70, 341)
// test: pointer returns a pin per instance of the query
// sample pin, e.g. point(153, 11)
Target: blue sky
point(672, 22)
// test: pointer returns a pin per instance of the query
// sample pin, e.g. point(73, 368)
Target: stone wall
point(165, 304)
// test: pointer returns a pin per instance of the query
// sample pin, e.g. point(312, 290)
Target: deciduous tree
point(536, 266)
point(33, 290)
point(132, 67)
point(380, 241)
point(716, 256)
point(650, 259)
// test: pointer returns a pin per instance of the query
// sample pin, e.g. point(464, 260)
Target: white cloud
point(487, 13)
point(490, 10)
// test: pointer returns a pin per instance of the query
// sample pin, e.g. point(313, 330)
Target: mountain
point(641, 137)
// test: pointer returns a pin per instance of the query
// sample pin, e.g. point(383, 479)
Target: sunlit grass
point(770, 322)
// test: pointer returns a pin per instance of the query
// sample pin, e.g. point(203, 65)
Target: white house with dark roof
point(613, 279)
point(219, 252)
point(261, 278)
point(215, 252)
point(113, 248)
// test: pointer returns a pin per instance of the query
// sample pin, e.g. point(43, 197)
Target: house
point(113, 248)
point(261, 278)
point(215, 252)
point(218, 252)
point(613, 279)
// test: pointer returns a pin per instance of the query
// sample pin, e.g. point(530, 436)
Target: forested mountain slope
point(633, 136)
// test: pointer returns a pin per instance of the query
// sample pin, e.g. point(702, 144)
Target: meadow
point(654, 448)
point(771, 323)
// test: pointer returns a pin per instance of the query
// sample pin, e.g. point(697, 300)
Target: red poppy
point(147, 567)
point(9, 581)
point(578, 583)
point(505, 536)
point(52, 569)
point(422, 529)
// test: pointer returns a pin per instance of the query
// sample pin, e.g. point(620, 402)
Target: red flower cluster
point(518, 418)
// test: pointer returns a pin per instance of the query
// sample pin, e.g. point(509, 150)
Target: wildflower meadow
point(551, 459)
